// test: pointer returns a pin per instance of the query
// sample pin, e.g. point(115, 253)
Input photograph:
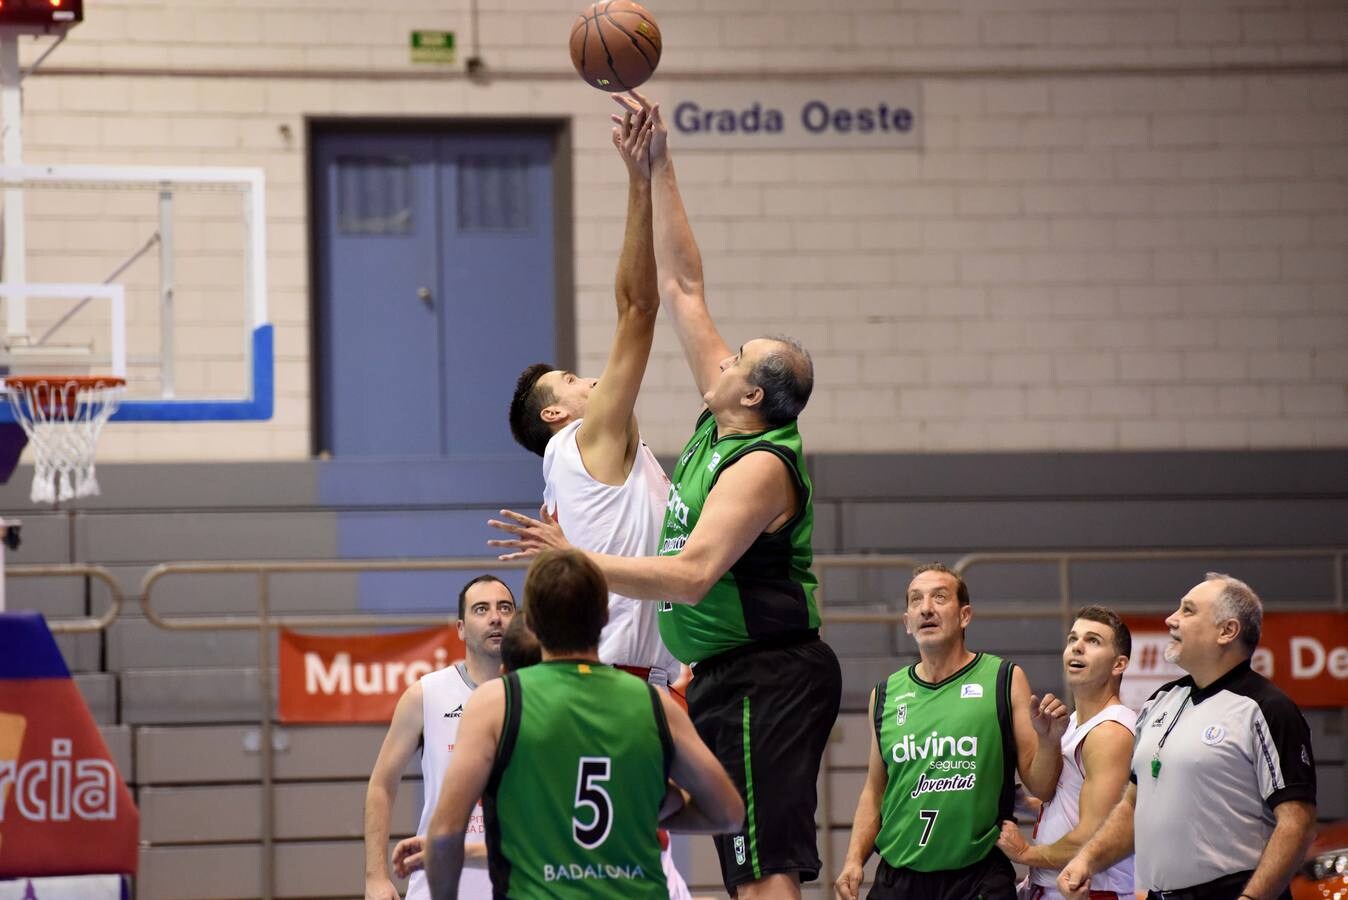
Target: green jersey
point(950, 757)
point(769, 590)
point(574, 795)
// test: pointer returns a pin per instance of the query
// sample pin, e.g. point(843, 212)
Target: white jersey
point(621, 520)
point(443, 695)
point(1061, 814)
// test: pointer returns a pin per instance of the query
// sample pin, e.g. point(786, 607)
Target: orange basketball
point(615, 45)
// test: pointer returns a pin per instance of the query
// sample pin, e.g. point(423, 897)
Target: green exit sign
point(433, 47)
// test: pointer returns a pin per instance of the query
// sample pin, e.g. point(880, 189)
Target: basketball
point(615, 45)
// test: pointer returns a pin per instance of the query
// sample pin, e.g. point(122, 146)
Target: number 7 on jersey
point(928, 816)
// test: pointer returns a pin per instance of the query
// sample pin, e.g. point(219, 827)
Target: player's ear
point(553, 414)
point(1120, 663)
point(752, 397)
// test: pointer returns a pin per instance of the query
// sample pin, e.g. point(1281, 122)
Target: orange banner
point(357, 677)
point(1305, 654)
point(64, 809)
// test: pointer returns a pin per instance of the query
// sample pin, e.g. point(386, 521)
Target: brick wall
point(1127, 227)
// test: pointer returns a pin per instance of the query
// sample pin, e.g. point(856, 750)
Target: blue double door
point(437, 281)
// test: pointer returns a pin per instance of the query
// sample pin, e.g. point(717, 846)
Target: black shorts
point(991, 878)
point(766, 711)
point(1224, 888)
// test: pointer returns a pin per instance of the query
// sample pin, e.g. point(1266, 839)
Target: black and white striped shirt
point(1210, 764)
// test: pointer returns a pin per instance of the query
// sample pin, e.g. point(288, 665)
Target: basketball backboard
point(153, 274)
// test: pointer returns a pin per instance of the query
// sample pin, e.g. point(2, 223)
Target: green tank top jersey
point(574, 795)
point(769, 590)
point(950, 756)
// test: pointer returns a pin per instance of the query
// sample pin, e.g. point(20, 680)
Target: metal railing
point(87, 624)
point(264, 621)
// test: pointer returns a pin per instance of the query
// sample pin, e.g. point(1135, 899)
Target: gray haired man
point(1221, 804)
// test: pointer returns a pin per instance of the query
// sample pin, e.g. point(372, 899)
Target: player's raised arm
point(1038, 725)
point(608, 435)
point(679, 263)
point(399, 745)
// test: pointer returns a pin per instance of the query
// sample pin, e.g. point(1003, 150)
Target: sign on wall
point(64, 809)
point(357, 677)
point(787, 115)
point(433, 47)
point(1305, 654)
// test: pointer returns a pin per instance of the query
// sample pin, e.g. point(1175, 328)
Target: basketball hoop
point(62, 416)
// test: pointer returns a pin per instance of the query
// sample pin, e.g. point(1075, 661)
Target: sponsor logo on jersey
point(908, 696)
point(927, 785)
point(715, 461)
point(455, 713)
point(971, 691)
point(591, 871)
point(1213, 734)
point(901, 714)
point(934, 746)
point(673, 545)
point(740, 856)
point(1305, 756)
point(1160, 720)
point(675, 507)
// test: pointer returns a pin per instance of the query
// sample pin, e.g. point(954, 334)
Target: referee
point(1223, 780)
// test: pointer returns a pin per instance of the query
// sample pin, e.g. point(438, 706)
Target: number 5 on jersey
point(928, 816)
point(589, 774)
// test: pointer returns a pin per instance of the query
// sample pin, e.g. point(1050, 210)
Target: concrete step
point(228, 753)
point(169, 696)
point(233, 813)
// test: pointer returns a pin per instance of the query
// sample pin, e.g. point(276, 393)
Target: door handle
point(424, 295)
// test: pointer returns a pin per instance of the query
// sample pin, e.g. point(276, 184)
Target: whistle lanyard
point(1156, 757)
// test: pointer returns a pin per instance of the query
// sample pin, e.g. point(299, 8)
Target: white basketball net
point(63, 420)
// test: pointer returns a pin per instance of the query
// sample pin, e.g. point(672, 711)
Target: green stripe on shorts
point(749, 792)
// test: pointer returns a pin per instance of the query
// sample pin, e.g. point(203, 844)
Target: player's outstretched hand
point(848, 885)
point(633, 101)
point(1049, 717)
point(632, 137)
point(1012, 842)
point(532, 536)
